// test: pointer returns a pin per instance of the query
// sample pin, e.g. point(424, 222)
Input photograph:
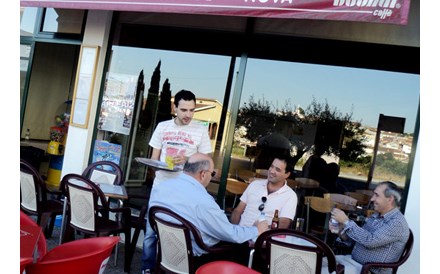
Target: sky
point(365, 93)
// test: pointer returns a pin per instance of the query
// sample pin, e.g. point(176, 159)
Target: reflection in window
point(291, 108)
point(27, 21)
point(63, 20)
point(25, 51)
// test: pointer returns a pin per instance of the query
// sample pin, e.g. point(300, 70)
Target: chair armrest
point(126, 213)
point(226, 247)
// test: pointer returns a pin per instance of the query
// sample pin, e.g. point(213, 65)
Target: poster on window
point(117, 105)
point(105, 151)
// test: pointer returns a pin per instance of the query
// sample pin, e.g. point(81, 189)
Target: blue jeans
point(149, 248)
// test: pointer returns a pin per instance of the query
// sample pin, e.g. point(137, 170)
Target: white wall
point(412, 214)
point(79, 139)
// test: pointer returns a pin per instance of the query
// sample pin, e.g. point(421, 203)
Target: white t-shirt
point(186, 139)
point(284, 199)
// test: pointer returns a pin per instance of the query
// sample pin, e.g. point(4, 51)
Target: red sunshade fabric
point(377, 11)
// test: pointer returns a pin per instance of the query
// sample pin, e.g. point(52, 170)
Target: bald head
point(199, 166)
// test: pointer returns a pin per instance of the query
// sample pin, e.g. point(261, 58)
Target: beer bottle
point(275, 220)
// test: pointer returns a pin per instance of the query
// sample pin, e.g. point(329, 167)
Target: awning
point(377, 11)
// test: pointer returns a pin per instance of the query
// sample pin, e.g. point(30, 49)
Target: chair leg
point(49, 228)
point(44, 221)
point(133, 244)
point(127, 252)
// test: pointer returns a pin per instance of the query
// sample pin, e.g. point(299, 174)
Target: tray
point(156, 164)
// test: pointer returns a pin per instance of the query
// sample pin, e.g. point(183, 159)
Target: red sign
point(377, 11)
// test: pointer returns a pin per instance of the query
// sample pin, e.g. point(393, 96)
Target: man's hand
point(339, 215)
point(179, 159)
point(262, 227)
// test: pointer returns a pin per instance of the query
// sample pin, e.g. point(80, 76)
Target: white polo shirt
point(284, 199)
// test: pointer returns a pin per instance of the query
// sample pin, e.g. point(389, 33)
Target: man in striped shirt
point(383, 236)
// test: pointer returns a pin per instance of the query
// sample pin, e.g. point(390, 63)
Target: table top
point(28, 240)
point(114, 191)
point(156, 164)
point(288, 239)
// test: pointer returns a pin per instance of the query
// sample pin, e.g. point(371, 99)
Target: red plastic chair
point(24, 262)
point(225, 267)
point(41, 245)
point(84, 256)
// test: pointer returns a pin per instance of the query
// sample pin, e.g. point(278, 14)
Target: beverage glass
point(299, 224)
point(334, 226)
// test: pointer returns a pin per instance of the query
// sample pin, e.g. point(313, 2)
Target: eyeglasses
point(263, 200)
point(212, 172)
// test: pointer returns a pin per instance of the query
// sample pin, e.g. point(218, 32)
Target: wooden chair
point(175, 252)
point(394, 266)
point(291, 251)
point(245, 175)
point(82, 256)
point(236, 188)
point(307, 183)
point(89, 213)
point(261, 173)
point(363, 199)
point(104, 172)
point(293, 184)
point(35, 199)
point(342, 201)
point(369, 192)
point(322, 207)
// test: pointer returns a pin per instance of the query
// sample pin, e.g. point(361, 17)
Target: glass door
point(138, 94)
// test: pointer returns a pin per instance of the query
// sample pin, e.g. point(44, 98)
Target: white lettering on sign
point(367, 3)
point(382, 14)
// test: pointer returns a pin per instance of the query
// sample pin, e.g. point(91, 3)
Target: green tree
point(334, 128)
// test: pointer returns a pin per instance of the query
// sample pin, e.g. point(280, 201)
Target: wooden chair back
point(104, 172)
point(320, 205)
point(34, 198)
point(363, 199)
point(245, 175)
point(341, 198)
point(261, 173)
point(307, 182)
point(294, 252)
point(89, 212)
point(236, 188)
point(175, 252)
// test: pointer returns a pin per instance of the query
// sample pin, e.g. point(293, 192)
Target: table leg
point(251, 257)
point(63, 220)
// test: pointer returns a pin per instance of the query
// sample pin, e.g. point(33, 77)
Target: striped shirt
point(380, 239)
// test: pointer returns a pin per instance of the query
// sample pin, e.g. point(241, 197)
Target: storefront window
point(129, 112)
point(291, 108)
point(25, 51)
point(67, 21)
point(27, 21)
